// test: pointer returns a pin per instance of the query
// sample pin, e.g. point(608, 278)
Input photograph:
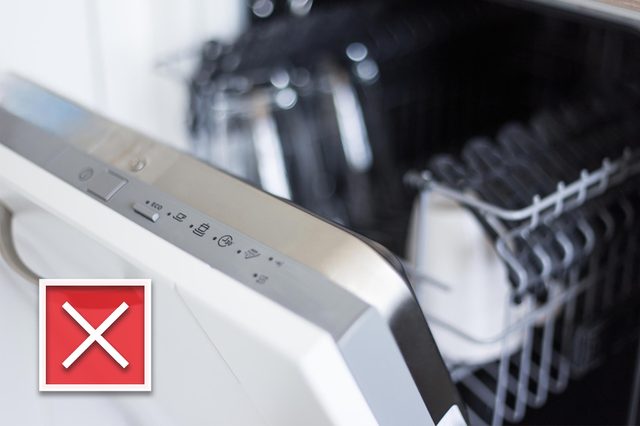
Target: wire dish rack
point(577, 304)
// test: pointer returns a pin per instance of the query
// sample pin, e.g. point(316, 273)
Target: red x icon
point(95, 335)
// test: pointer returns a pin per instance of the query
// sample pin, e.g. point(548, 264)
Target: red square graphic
point(95, 335)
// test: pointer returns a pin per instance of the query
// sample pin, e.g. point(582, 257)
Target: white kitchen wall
point(105, 53)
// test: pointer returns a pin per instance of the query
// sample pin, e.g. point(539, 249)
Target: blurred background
point(493, 146)
point(107, 55)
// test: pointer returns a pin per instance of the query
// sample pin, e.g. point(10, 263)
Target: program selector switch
point(146, 212)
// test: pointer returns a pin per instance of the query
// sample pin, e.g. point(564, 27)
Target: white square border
point(43, 386)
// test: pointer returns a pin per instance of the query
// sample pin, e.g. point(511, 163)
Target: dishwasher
point(493, 146)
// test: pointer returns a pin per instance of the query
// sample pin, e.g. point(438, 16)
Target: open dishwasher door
point(315, 324)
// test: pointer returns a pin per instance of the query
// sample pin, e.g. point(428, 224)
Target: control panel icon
point(225, 241)
point(251, 253)
point(180, 217)
point(201, 230)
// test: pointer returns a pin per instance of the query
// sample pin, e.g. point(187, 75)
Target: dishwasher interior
point(493, 146)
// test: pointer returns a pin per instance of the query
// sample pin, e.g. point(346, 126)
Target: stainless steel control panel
point(283, 280)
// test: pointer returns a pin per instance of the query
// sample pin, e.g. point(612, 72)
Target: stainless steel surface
point(626, 12)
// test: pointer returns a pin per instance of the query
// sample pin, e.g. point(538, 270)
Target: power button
point(105, 185)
